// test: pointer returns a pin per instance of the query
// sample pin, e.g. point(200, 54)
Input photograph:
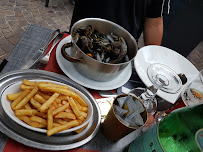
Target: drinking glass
point(163, 78)
point(193, 93)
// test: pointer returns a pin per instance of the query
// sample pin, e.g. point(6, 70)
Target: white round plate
point(14, 88)
point(69, 69)
point(159, 54)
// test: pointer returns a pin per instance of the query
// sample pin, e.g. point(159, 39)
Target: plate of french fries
point(47, 106)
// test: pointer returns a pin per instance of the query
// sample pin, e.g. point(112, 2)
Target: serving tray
point(40, 140)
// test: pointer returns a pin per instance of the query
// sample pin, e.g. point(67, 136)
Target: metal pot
point(90, 67)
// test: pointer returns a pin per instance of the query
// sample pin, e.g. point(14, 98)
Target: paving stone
point(2, 13)
point(33, 9)
point(14, 39)
point(61, 22)
point(6, 30)
point(3, 40)
point(10, 7)
point(2, 52)
point(36, 14)
point(9, 3)
point(10, 13)
point(4, 56)
point(26, 12)
point(23, 22)
point(13, 23)
point(24, 27)
point(1, 34)
point(12, 1)
point(2, 7)
point(20, 18)
point(3, 26)
point(3, 3)
point(7, 35)
point(16, 28)
point(18, 14)
point(32, 21)
point(64, 29)
point(20, 33)
point(27, 16)
point(7, 47)
point(18, 9)
point(42, 23)
point(10, 18)
point(38, 19)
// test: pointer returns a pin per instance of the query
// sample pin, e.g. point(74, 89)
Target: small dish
point(15, 87)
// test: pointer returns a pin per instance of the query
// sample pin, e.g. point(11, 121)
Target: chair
point(47, 3)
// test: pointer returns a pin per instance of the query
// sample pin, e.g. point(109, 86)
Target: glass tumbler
point(193, 93)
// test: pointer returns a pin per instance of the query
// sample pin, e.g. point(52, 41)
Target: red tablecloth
point(52, 66)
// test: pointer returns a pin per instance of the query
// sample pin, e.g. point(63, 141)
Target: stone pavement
point(16, 15)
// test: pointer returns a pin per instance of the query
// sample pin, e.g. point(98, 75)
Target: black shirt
point(129, 14)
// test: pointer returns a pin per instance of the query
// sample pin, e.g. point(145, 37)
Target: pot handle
point(67, 56)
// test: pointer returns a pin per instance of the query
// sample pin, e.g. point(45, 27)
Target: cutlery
point(44, 60)
point(106, 93)
point(40, 52)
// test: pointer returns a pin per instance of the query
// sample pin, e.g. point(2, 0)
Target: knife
point(107, 93)
point(40, 53)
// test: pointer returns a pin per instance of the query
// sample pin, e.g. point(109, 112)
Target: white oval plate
point(69, 69)
point(14, 88)
point(159, 54)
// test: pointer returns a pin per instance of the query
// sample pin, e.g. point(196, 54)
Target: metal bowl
point(90, 67)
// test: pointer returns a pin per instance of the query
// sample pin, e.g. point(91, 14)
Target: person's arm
point(153, 31)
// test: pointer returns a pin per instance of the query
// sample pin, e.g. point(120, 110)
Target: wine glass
point(193, 93)
point(163, 78)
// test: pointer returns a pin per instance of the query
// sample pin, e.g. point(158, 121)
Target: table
point(33, 39)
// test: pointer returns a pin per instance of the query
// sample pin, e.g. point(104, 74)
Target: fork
point(44, 61)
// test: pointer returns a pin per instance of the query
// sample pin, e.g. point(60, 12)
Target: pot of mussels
point(100, 49)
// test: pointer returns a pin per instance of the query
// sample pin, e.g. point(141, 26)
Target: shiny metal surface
point(45, 59)
point(107, 93)
point(39, 54)
point(41, 140)
point(92, 68)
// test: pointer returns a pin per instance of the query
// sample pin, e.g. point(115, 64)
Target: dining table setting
point(41, 55)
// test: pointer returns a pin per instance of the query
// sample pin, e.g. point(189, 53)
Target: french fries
point(74, 107)
point(29, 83)
point(14, 96)
point(26, 112)
point(48, 102)
point(65, 115)
point(48, 106)
point(68, 125)
point(19, 98)
point(26, 99)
